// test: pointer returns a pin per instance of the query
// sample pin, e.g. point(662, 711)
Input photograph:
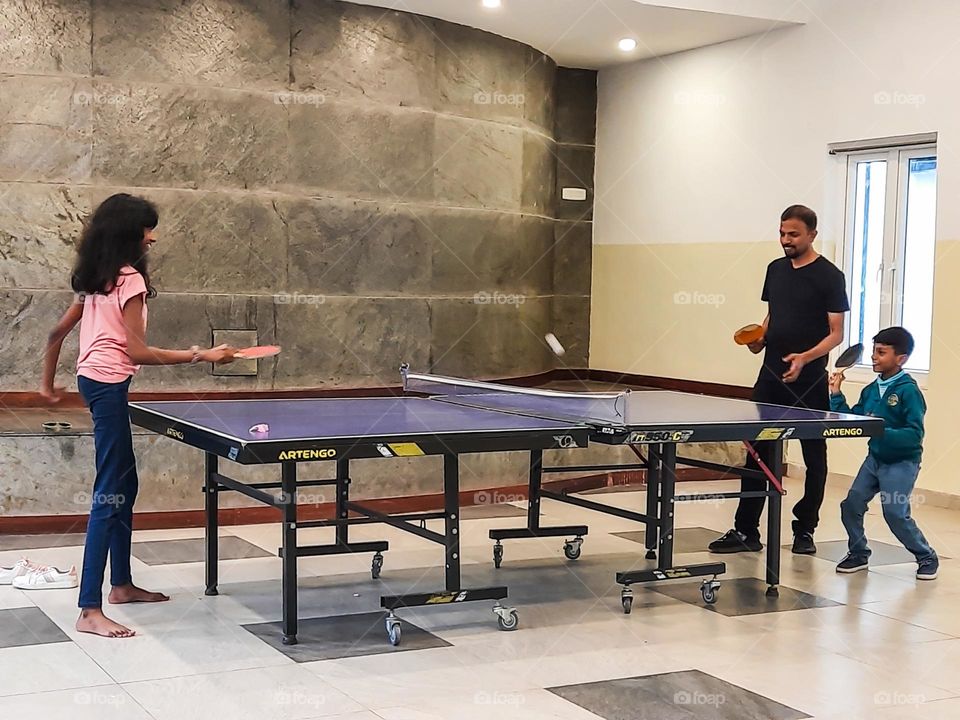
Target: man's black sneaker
point(928, 568)
point(803, 544)
point(851, 564)
point(734, 542)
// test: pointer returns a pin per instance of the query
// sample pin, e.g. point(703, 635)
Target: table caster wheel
point(708, 591)
point(773, 591)
point(571, 548)
point(626, 599)
point(507, 618)
point(394, 635)
point(393, 630)
point(651, 555)
point(376, 566)
point(497, 554)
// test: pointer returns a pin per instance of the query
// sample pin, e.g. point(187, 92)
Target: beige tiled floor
point(891, 651)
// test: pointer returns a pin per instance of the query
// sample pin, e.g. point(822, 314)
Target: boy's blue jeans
point(110, 525)
point(894, 482)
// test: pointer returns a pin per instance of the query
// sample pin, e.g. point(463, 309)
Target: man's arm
point(760, 344)
point(830, 341)
point(833, 338)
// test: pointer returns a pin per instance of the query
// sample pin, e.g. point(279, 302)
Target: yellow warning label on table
point(406, 449)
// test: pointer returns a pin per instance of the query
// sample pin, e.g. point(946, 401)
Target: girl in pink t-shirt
point(112, 285)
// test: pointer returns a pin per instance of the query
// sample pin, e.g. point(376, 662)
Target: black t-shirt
point(798, 300)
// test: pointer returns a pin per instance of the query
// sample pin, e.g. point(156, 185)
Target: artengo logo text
point(843, 432)
point(324, 454)
point(172, 432)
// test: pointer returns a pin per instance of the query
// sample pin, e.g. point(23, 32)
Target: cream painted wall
point(671, 310)
point(697, 154)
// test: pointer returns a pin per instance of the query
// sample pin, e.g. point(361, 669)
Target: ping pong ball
point(554, 344)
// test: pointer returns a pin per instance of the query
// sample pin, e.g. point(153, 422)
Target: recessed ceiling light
point(627, 44)
point(491, 3)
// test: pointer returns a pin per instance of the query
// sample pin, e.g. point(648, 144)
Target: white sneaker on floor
point(9, 574)
point(47, 578)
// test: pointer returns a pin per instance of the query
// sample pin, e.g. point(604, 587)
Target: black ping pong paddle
point(849, 357)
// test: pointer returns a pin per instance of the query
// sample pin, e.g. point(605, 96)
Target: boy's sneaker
point(851, 564)
point(734, 542)
point(9, 574)
point(47, 578)
point(928, 568)
point(803, 544)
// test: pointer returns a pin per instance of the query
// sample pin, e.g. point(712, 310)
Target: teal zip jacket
point(902, 409)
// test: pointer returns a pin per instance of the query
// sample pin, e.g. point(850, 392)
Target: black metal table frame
point(658, 519)
point(290, 551)
point(347, 512)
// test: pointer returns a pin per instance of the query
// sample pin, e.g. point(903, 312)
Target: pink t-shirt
point(103, 335)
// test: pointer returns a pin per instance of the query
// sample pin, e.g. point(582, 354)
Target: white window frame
point(894, 241)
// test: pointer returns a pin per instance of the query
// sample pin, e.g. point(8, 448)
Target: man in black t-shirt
point(806, 298)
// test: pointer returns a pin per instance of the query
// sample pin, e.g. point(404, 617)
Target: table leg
point(343, 497)
point(774, 510)
point(288, 486)
point(451, 508)
point(211, 508)
point(668, 480)
point(652, 534)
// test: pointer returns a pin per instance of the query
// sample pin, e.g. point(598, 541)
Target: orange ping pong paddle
point(257, 351)
point(748, 334)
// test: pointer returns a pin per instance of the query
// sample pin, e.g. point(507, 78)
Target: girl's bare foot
point(120, 594)
point(92, 620)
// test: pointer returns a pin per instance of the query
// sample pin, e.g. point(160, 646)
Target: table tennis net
point(609, 408)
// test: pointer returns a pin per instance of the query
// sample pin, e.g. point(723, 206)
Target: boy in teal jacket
point(893, 460)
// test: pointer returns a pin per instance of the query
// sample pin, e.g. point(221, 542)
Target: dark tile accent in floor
point(343, 636)
point(745, 596)
point(475, 512)
point(685, 540)
point(883, 553)
point(169, 552)
point(686, 695)
point(32, 542)
point(20, 627)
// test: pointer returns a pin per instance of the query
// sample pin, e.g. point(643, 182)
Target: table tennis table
point(448, 417)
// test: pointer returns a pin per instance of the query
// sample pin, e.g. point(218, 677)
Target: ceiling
point(584, 33)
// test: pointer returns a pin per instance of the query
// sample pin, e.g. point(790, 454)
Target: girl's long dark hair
point(112, 238)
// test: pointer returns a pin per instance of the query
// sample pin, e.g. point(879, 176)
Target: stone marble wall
point(362, 186)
